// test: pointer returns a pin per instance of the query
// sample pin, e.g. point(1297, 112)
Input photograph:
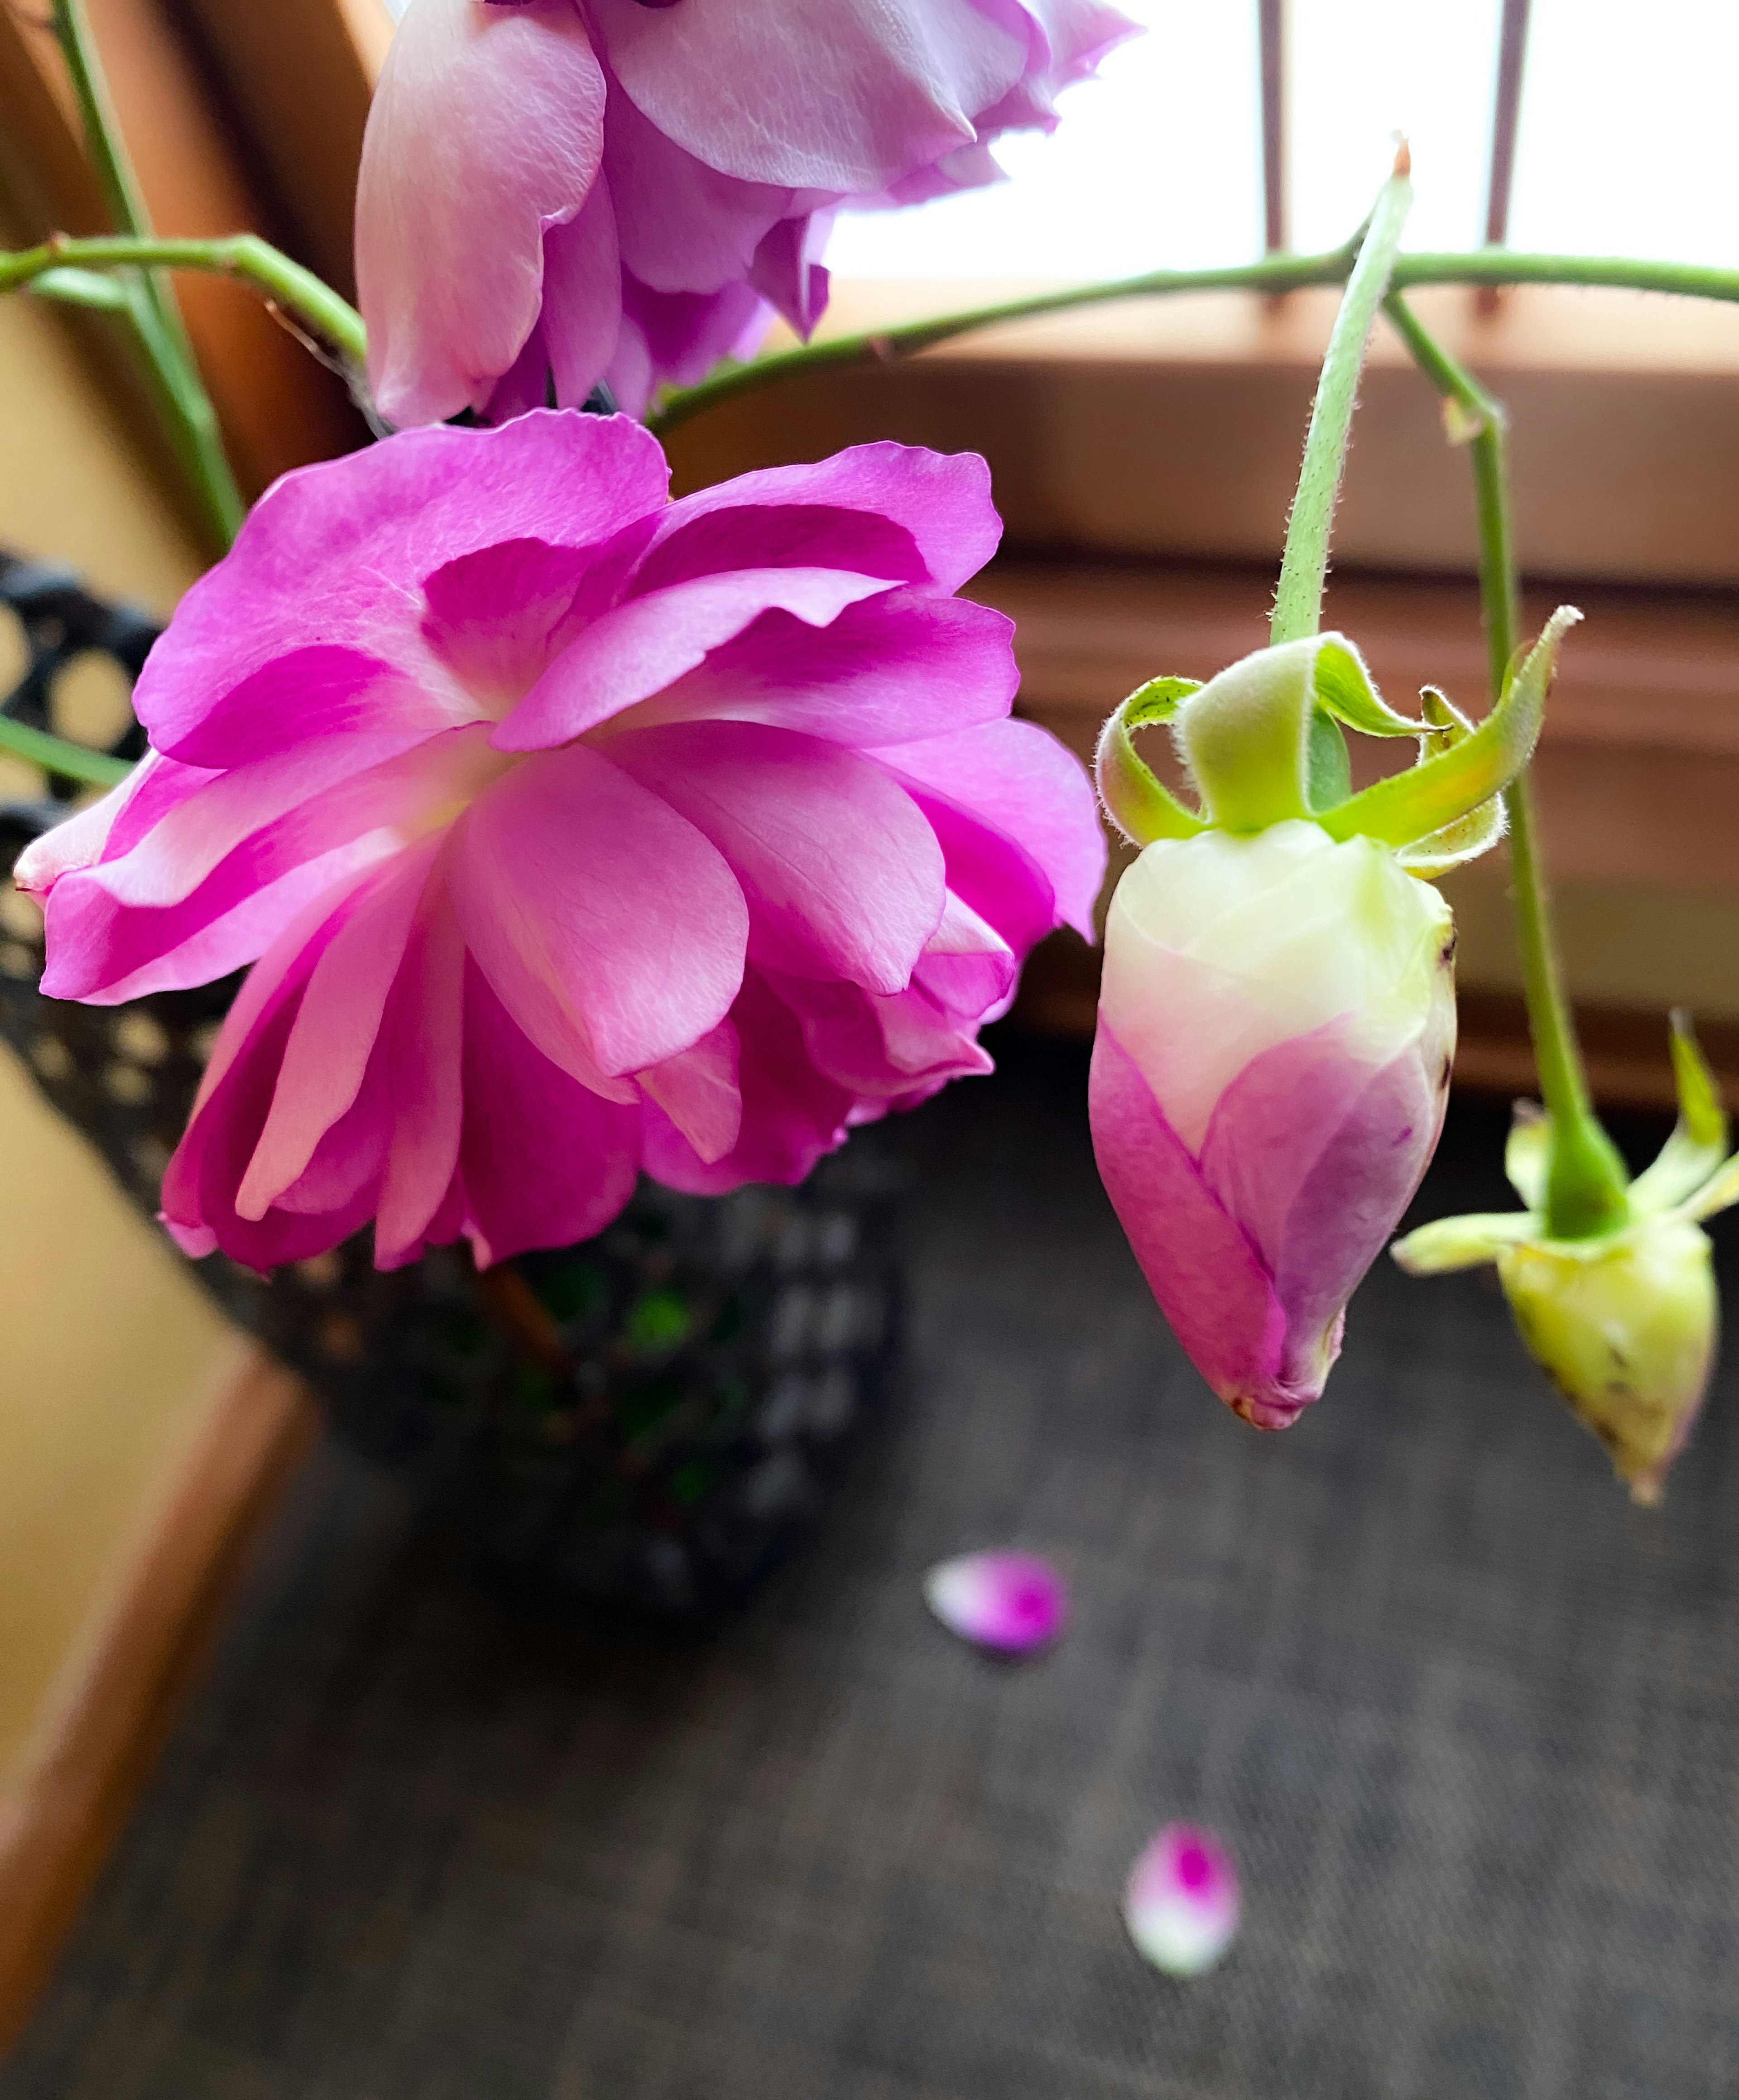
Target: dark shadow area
point(1469, 1721)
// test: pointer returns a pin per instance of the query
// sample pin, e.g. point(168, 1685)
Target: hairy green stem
point(150, 306)
point(1586, 1179)
point(1304, 567)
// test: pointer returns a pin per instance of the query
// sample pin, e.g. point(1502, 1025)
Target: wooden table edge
point(119, 1697)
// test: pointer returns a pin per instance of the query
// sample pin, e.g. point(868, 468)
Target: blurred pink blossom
point(562, 192)
point(571, 832)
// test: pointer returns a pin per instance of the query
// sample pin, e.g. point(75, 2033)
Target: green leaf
point(1697, 1145)
point(1451, 783)
point(1139, 804)
point(54, 754)
point(1453, 1243)
point(1527, 1157)
point(82, 288)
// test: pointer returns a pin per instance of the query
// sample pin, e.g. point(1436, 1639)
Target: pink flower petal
point(741, 88)
point(1209, 1280)
point(844, 877)
point(336, 554)
point(791, 1112)
point(545, 1160)
point(940, 501)
point(582, 314)
point(1011, 1602)
point(611, 928)
point(683, 226)
point(1016, 779)
point(1180, 1903)
point(638, 648)
point(449, 243)
point(898, 666)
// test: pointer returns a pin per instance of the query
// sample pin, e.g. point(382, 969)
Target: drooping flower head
point(1623, 1319)
point(574, 830)
point(555, 192)
point(1277, 1022)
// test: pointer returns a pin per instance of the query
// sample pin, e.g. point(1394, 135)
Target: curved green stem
point(1273, 274)
point(1586, 1179)
point(243, 256)
point(1304, 567)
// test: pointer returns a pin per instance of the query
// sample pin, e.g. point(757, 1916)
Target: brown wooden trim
point(1638, 772)
point(1170, 427)
point(1506, 116)
point(1271, 40)
point(117, 1700)
point(294, 77)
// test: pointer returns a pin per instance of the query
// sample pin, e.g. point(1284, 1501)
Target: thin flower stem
point(1304, 567)
point(162, 336)
point(244, 256)
point(114, 171)
point(1585, 1179)
point(1273, 274)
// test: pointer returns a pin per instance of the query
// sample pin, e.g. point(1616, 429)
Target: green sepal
point(1527, 1153)
point(1717, 1192)
point(1138, 802)
point(1451, 783)
point(1698, 1146)
point(1452, 1243)
point(1445, 726)
point(82, 288)
point(1246, 738)
point(1346, 688)
point(1328, 770)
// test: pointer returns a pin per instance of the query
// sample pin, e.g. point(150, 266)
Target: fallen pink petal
point(1012, 1602)
point(1180, 1903)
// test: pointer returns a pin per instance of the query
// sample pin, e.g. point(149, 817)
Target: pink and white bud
point(1276, 1029)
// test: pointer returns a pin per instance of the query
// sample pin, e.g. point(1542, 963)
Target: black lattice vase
point(649, 1418)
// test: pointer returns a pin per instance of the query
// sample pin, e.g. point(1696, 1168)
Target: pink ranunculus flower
point(1276, 1028)
point(555, 192)
point(575, 831)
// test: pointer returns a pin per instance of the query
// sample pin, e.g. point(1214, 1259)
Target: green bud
point(1624, 1326)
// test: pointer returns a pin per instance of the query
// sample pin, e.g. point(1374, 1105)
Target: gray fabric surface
point(1468, 1720)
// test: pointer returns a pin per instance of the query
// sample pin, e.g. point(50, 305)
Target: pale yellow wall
point(108, 1350)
